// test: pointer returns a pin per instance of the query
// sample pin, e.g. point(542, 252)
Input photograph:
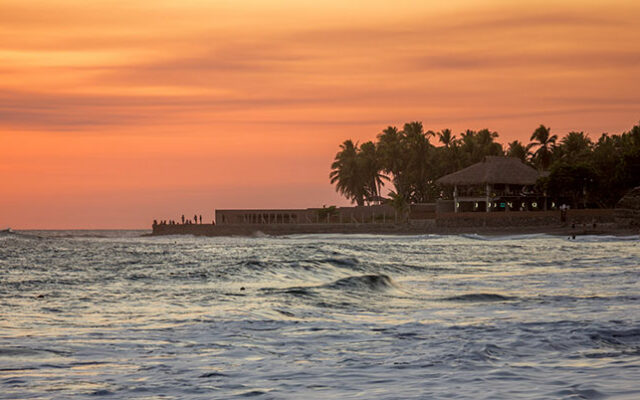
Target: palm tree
point(370, 167)
point(446, 138)
point(400, 205)
point(518, 150)
point(575, 146)
point(346, 173)
point(542, 139)
point(474, 146)
point(392, 154)
point(417, 148)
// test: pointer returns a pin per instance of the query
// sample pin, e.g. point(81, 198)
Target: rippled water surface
point(113, 315)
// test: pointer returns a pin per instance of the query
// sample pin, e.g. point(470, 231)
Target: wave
point(90, 233)
point(618, 338)
point(20, 351)
point(343, 237)
point(9, 233)
point(352, 284)
point(81, 236)
point(259, 235)
point(568, 298)
point(479, 297)
point(364, 282)
point(493, 238)
point(340, 262)
point(603, 238)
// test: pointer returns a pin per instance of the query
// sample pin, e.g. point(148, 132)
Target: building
point(325, 215)
point(374, 214)
point(495, 184)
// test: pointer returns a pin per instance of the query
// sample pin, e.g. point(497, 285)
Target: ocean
point(111, 314)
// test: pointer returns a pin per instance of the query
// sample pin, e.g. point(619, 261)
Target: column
point(455, 199)
point(488, 200)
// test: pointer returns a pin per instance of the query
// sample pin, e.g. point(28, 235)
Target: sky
point(115, 113)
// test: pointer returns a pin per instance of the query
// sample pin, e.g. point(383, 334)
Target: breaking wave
point(471, 297)
point(373, 283)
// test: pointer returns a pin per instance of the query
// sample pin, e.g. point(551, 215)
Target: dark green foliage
point(545, 142)
point(616, 162)
point(356, 172)
point(581, 171)
point(326, 213)
point(517, 150)
point(408, 156)
point(399, 204)
point(573, 182)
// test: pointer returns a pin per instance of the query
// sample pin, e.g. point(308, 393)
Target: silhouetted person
point(195, 219)
point(155, 223)
point(563, 214)
point(201, 220)
point(182, 219)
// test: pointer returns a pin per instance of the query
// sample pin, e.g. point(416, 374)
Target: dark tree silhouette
point(544, 141)
point(517, 150)
point(346, 174)
point(587, 172)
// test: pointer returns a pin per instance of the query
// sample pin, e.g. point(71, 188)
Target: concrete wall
point(266, 216)
point(414, 226)
point(358, 214)
point(444, 206)
point(628, 209)
point(422, 211)
point(287, 229)
point(521, 218)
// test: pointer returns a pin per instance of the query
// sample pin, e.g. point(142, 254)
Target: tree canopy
point(595, 173)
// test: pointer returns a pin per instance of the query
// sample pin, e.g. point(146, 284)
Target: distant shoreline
point(387, 229)
point(399, 230)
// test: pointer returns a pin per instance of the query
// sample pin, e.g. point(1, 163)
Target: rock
point(627, 211)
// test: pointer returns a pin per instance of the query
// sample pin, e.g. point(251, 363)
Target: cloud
point(582, 60)
point(426, 64)
point(80, 112)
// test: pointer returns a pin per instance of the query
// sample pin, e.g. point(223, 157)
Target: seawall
point(523, 218)
point(478, 222)
point(291, 229)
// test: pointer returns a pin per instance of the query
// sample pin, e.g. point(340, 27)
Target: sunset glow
point(116, 113)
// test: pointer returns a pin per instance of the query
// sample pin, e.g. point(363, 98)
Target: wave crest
point(379, 282)
point(480, 297)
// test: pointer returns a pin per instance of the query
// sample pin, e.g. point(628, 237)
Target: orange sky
point(113, 113)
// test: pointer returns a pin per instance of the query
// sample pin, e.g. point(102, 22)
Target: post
point(488, 204)
point(455, 200)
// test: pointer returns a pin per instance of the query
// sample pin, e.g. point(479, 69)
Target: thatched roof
point(493, 170)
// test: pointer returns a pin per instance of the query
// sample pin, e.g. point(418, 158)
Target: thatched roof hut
point(493, 170)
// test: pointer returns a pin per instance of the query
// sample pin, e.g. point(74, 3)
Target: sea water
point(115, 315)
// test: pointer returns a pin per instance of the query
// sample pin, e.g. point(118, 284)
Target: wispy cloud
point(144, 94)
